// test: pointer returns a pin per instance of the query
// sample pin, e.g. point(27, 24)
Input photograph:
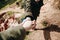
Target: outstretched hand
point(29, 25)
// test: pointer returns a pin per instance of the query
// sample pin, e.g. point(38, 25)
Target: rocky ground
point(52, 33)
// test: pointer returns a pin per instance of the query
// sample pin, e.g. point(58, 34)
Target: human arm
point(13, 33)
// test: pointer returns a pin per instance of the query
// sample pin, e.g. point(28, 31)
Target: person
point(16, 32)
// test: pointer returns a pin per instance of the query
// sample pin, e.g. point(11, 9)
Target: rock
point(45, 1)
point(35, 35)
point(43, 35)
point(55, 35)
point(49, 15)
point(47, 34)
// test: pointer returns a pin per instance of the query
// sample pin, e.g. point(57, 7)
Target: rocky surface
point(52, 33)
point(49, 14)
point(45, 1)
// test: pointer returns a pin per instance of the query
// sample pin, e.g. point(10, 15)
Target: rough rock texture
point(49, 14)
point(35, 35)
point(45, 1)
point(52, 33)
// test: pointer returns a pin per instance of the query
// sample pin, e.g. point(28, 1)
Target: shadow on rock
point(52, 28)
point(49, 29)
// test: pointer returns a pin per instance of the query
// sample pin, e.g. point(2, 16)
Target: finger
point(33, 24)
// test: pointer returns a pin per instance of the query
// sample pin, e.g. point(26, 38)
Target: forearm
point(12, 33)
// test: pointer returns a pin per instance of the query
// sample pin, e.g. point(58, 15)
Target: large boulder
point(49, 14)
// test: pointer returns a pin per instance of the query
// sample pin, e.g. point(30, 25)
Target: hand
point(29, 25)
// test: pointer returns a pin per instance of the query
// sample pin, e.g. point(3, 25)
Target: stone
point(35, 35)
point(49, 14)
point(45, 1)
point(46, 34)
